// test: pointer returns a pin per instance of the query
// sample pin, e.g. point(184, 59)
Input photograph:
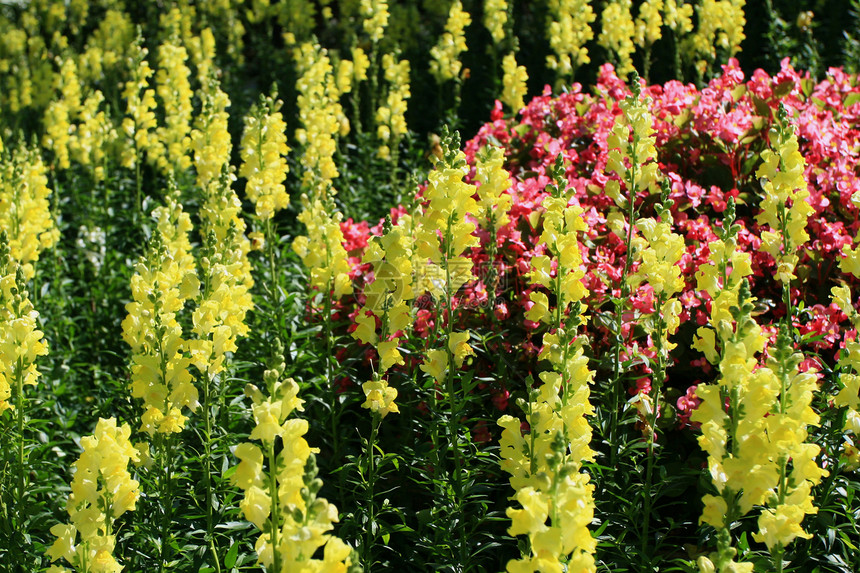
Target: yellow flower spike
point(322, 249)
point(495, 19)
point(280, 486)
point(569, 30)
point(264, 162)
point(617, 33)
point(375, 14)
point(102, 490)
point(25, 208)
point(720, 24)
point(545, 466)
point(322, 119)
point(174, 89)
point(445, 64)
point(164, 279)
point(390, 117)
point(494, 181)
point(514, 79)
point(648, 23)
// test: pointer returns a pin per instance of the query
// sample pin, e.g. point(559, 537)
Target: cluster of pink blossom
point(709, 143)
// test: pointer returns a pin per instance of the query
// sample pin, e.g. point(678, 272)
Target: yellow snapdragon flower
point(264, 161)
point(445, 64)
point(678, 16)
point(496, 19)
point(784, 207)
point(210, 139)
point(649, 22)
point(280, 485)
point(720, 24)
point(322, 118)
point(375, 14)
point(389, 298)
point(617, 33)
point(101, 491)
point(632, 152)
point(94, 135)
point(25, 208)
point(514, 80)
point(493, 182)
point(391, 116)
point(555, 496)
point(164, 280)
point(140, 123)
point(321, 250)
point(21, 341)
point(174, 89)
point(569, 30)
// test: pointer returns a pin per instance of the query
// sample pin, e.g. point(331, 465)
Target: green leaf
point(783, 89)
point(851, 99)
point(232, 554)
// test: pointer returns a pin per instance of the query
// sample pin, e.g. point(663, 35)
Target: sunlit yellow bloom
point(496, 18)
point(375, 14)
point(163, 281)
point(101, 491)
point(545, 466)
point(445, 64)
point(280, 485)
point(174, 89)
point(264, 161)
point(649, 22)
point(514, 80)
point(569, 30)
point(25, 208)
point(617, 34)
point(321, 116)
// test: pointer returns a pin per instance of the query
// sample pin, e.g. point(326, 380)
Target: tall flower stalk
point(785, 210)
point(102, 491)
point(569, 30)
point(659, 250)
point(633, 160)
point(218, 320)
point(445, 64)
point(554, 494)
point(164, 280)
point(389, 302)
point(21, 343)
point(280, 484)
point(733, 434)
point(450, 203)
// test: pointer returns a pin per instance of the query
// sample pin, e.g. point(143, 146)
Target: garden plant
point(462, 285)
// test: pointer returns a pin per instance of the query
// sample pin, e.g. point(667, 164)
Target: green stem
point(619, 318)
point(166, 500)
point(207, 470)
point(453, 426)
point(275, 522)
point(370, 529)
point(139, 184)
point(19, 418)
point(657, 381)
